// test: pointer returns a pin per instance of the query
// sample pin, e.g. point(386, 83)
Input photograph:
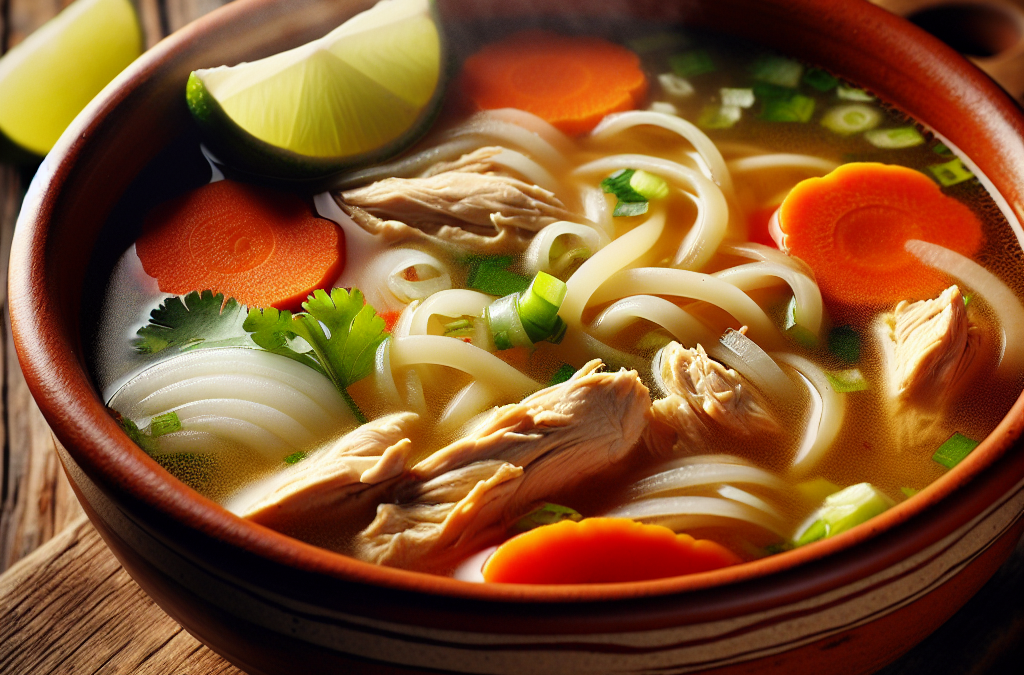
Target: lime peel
point(364, 91)
point(50, 77)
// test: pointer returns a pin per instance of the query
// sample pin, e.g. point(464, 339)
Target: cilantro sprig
point(342, 334)
point(198, 319)
point(337, 335)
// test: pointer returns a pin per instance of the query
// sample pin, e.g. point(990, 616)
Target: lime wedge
point(47, 79)
point(362, 92)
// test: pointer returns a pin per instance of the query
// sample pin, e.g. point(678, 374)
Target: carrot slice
point(851, 227)
point(572, 82)
point(602, 550)
point(263, 247)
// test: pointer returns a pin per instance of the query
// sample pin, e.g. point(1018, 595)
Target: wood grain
point(71, 608)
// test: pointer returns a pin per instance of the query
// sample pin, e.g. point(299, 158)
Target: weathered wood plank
point(71, 608)
point(36, 500)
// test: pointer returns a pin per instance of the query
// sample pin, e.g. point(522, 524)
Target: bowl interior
point(135, 146)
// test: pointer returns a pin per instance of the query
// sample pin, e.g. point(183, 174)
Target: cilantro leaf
point(341, 329)
point(198, 319)
point(272, 330)
point(354, 331)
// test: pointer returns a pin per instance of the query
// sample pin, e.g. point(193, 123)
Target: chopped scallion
point(853, 118)
point(764, 90)
point(691, 63)
point(846, 509)
point(491, 276)
point(564, 372)
point(719, 116)
point(950, 173)
point(777, 70)
point(676, 86)
point(547, 514)
point(819, 79)
point(797, 108)
point(663, 107)
point(460, 328)
point(844, 342)
point(741, 98)
point(295, 457)
point(802, 336)
point(853, 94)
point(630, 202)
point(953, 451)
point(909, 491)
point(502, 317)
point(847, 381)
point(941, 149)
point(167, 423)
point(894, 139)
point(648, 185)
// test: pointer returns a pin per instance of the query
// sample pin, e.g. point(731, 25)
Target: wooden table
point(67, 606)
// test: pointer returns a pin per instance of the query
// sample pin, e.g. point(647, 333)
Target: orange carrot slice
point(572, 82)
point(851, 226)
point(602, 550)
point(262, 247)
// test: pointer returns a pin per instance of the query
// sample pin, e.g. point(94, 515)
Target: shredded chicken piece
point(469, 202)
point(521, 454)
point(705, 398)
point(928, 346)
point(370, 455)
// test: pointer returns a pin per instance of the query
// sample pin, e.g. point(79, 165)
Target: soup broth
point(771, 123)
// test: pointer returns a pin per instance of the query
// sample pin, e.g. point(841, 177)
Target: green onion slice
point(954, 450)
point(853, 118)
point(894, 139)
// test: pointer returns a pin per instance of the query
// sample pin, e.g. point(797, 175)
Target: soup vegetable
point(638, 304)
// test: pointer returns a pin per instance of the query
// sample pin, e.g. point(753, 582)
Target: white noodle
point(702, 474)
point(530, 170)
point(471, 400)
point(407, 167)
point(781, 161)
point(538, 254)
point(483, 129)
point(744, 497)
point(752, 276)
point(685, 513)
point(746, 357)
point(753, 251)
point(243, 433)
point(1007, 308)
point(606, 262)
point(825, 418)
point(452, 303)
point(265, 416)
point(531, 122)
point(595, 208)
point(687, 284)
point(433, 275)
point(480, 364)
point(703, 239)
point(712, 158)
point(221, 362)
point(686, 329)
point(383, 379)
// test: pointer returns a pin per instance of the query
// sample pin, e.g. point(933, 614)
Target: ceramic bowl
point(271, 604)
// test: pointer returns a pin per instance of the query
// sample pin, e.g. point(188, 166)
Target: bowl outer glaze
point(149, 519)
